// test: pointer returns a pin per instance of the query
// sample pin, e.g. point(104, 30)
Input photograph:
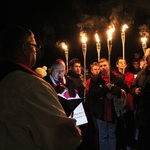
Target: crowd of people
point(35, 116)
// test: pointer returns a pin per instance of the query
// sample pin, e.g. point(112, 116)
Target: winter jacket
point(99, 91)
point(143, 100)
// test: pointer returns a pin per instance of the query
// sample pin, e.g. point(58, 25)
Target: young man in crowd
point(127, 128)
point(105, 92)
point(75, 73)
point(92, 127)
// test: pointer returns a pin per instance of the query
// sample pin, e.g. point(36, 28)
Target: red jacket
point(88, 84)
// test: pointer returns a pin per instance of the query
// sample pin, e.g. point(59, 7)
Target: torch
point(98, 45)
point(84, 50)
point(65, 47)
point(144, 45)
point(123, 43)
point(109, 46)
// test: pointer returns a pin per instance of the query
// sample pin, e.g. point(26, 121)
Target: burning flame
point(124, 27)
point(109, 32)
point(84, 38)
point(97, 38)
point(64, 46)
point(143, 39)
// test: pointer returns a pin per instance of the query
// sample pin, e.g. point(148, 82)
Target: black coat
point(98, 91)
point(143, 100)
point(77, 81)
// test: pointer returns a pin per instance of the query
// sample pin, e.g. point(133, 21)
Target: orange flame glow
point(83, 38)
point(97, 38)
point(64, 46)
point(109, 32)
point(124, 27)
point(143, 39)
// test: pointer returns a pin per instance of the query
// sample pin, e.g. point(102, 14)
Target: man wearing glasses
point(62, 84)
point(31, 116)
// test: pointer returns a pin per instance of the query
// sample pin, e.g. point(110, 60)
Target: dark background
point(54, 21)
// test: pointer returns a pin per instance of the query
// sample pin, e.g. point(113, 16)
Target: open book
point(64, 93)
point(77, 107)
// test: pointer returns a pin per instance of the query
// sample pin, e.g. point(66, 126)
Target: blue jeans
point(107, 135)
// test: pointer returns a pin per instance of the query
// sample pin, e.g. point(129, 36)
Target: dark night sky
point(62, 20)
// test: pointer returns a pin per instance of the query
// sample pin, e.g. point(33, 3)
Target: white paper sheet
point(79, 115)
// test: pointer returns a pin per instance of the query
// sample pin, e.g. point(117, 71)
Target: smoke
point(62, 45)
point(91, 23)
point(119, 16)
point(104, 14)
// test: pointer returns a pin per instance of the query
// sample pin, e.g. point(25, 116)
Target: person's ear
point(25, 49)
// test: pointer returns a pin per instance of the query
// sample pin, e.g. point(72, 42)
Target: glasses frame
point(58, 70)
point(36, 46)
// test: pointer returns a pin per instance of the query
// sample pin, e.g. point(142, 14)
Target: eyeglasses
point(36, 46)
point(58, 70)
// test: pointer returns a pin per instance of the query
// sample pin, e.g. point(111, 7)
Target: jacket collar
point(8, 67)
